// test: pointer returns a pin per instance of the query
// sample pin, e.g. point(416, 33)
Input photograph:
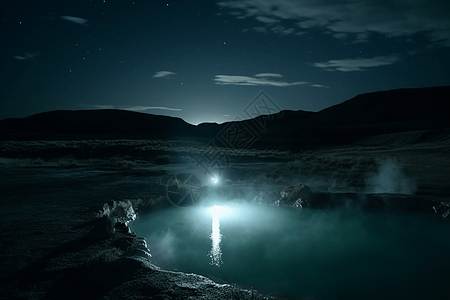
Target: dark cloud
point(359, 18)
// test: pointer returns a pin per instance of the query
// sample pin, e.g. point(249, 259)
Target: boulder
point(296, 196)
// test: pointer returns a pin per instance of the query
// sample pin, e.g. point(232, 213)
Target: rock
point(138, 248)
point(295, 196)
point(103, 229)
point(120, 211)
point(122, 228)
point(259, 198)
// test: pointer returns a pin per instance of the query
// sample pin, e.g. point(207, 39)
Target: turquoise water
point(325, 254)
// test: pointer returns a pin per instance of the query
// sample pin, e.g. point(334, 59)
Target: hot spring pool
point(325, 254)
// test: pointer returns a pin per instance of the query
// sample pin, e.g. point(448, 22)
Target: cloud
point(75, 20)
point(358, 64)
point(26, 56)
point(268, 75)
point(160, 74)
point(392, 18)
point(260, 80)
point(281, 30)
point(340, 35)
point(101, 106)
point(265, 79)
point(131, 108)
point(266, 20)
point(144, 108)
point(260, 29)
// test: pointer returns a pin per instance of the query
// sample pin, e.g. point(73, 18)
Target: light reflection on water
point(318, 253)
point(216, 253)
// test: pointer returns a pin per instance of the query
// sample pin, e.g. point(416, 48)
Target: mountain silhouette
point(101, 124)
point(378, 113)
point(385, 112)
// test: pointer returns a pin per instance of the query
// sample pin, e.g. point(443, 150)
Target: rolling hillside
point(366, 115)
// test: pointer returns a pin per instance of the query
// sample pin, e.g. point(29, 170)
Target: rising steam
point(390, 179)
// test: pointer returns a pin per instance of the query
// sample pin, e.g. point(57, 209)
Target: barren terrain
point(51, 207)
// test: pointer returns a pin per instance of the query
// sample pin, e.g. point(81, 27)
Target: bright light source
point(214, 180)
point(218, 211)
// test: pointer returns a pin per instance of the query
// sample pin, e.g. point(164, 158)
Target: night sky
point(205, 61)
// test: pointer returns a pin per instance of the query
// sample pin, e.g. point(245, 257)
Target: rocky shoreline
point(110, 262)
point(301, 196)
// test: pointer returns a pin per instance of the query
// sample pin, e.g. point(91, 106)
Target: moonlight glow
point(219, 211)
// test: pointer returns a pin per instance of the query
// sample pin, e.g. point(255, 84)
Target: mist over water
point(320, 253)
point(391, 179)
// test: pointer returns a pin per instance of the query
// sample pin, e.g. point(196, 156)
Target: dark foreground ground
point(62, 236)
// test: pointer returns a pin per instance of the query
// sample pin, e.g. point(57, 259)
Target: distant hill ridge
point(391, 106)
point(97, 124)
point(370, 114)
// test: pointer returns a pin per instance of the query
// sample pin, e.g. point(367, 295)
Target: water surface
point(326, 254)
